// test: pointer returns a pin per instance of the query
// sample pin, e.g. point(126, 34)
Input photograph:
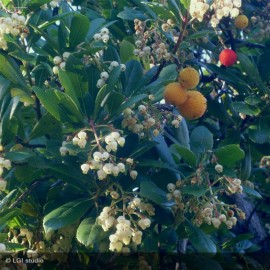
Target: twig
point(33, 186)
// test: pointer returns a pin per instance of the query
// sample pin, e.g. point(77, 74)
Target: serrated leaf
point(229, 155)
point(187, 155)
point(134, 75)
point(201, 241)
point(194, 190)
point(78, 30)
point(10, 70)
point(83, 234)
point(66, 214)
point(150, 191)
point(252, 192)
point(201, 140)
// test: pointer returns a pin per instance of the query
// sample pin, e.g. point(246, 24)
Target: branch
point(33, 186)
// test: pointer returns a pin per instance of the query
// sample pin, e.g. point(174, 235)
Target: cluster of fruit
point(103, 35)
point(190, 103)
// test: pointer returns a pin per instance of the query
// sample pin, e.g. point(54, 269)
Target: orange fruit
point(175, 94)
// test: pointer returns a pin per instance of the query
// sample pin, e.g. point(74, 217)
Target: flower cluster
point(221, 8)
point(106, 163)
point(217, 219)
point(126, 235)
point(4, 164)
point(104, 75)
point(60, 62)
point(13, 25)
point(52, 4)
point(142, 122)
point(234, 185)
point(103, 35)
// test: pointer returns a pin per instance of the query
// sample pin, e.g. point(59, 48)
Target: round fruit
point(227, 57)
point(189, 78)
point(241, 22)
point(175, 94)
point(194, 107)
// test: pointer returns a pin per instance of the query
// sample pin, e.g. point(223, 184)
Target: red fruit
point(227, 57)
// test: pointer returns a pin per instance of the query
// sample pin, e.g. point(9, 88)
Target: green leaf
point(229, 155)
point(84, 230)
point(185, 3)
point(49, 101)
point(10, 70)
point(196, 191)
point(22, 95)
point(201, 140)
point(65, 80)
point(34, 5)
point(134, 75)
point(126, 51)
point(19, 156)
point(114, 102)
point(89, 234)
point(78, 30)
point(130, 14)
point(244, 108)
point(66, 214)
point(187, 155)
point(252, 192)
point(201, 242)
point(200, 34)
point(251, 69)
point(46, 124)
point(259, 132)
point(59, 105)
point(7, 199)
point(150, 191)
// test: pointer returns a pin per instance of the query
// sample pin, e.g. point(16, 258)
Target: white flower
point(108, 167)
point(97, 37)
point(105, 38)
point(3, 185)
point(104, 75)
point(57, 60)
point(55, 70)
point(133, 174)
point(121, 167)
point(101, 174)
point(104, 31)
point(63, 151)
point(75, 140)
point(97, 156)
point(114, 64)
point(123, 67)
point(115, 171)
point(82, 143)
point(115, 135)
point(7, 164)
point(109, 139)
point(121, 141)
point(85, 168)
point(82, 135)
point(105, 156)
point(100, 83)
point(171, 187)
point(63, 65)
point(66, 55)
